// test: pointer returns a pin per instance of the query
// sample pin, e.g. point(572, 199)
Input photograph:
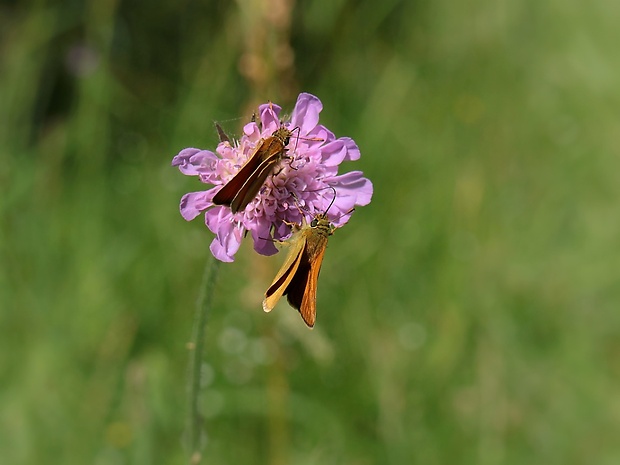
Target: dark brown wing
point(227, 194)
point(244, 186)
point(297, 287)
point(250, 188)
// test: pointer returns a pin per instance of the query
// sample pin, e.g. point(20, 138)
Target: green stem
point(197, 346)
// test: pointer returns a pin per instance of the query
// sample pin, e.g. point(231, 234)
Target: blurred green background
point(468, 315)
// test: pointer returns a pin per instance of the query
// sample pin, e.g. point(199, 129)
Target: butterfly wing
point(252, 185)
point(221, 134)
point(285, 275)
point(308, 303)
point(246, 184)
point(301, 292)
point(226, 195)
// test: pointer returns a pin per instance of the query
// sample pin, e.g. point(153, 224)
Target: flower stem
point(195, 424)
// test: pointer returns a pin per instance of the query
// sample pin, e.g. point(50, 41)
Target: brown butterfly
point(298, 277)
point(244, 186)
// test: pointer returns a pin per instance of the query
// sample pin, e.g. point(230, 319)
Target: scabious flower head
point(305, 182)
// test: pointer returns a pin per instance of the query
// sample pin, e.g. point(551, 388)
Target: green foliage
point(468, 315)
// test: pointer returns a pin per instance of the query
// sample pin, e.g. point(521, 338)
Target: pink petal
point(251, 130)
point(351, 189)
point(219, 219)
point(262, 242)
point(229, 233)
point(269, 116)
point(193, 161)
point(306, 112)
point(194, 203)
point(320, 134)
point(219, 251)
point(342, 149)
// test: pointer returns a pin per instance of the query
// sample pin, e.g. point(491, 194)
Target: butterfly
point(244, 186)
point(298, 276)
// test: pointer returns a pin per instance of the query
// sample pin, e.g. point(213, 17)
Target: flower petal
point(351, 189)
point(219, 251)
point(269, 117)
point(193, 161)
point(320, 134)
point(219, 219)
point(306, 113)
point(340, 150)
point(262, 242)
point(252, 131)
point(228, 233)
point(194, 203)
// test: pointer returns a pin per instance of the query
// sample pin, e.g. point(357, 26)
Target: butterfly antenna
point(296, 140)
point(333, 200)
point(345, 214)
point(297, 204)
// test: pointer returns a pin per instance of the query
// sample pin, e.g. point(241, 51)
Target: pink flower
point(306, 178)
